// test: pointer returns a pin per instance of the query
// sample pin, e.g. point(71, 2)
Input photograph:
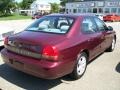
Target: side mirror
point(110, 28)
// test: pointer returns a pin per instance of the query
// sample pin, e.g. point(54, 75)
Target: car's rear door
point(93, 38)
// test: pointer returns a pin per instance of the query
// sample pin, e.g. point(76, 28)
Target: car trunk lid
point(35, 41)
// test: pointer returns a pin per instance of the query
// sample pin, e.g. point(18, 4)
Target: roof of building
point(73, 15)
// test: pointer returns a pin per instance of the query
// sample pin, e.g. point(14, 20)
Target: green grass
point(14, 17)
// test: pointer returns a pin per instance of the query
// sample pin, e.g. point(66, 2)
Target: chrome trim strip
point(23, 52)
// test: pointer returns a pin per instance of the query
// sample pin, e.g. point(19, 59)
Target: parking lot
point(102, 74)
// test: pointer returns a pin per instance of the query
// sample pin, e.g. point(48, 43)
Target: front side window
point(101, 25)
point(52, 24)
point(88, 26)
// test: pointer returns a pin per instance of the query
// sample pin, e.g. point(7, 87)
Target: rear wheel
point(80, 66)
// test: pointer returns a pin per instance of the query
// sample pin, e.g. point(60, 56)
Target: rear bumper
point(39, 68)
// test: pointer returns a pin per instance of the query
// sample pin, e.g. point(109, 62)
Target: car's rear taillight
point(5, 40)
point(50, 52)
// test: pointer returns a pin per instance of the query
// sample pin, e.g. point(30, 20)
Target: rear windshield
point(52, 24)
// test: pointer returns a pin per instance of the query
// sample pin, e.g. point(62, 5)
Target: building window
point(114, 10)
point(84, 10)
point(79, 10)
point(100, 10)
point(118, 10)
point(89, 10)
point(74, 10)
point(69, 10)
point(107, 10)
point(66, 10)
point(94, 10)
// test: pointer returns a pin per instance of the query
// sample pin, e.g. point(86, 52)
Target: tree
point(25, 4)
point(63, 2)
point(54, 8)
point(6, 6)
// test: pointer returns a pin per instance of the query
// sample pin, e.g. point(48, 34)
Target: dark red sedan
point(36, 16)
point(58, 45)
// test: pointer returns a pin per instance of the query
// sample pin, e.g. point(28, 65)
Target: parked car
point(112, 18)
point(36, 16)
point(4, 32)
point(58, 45)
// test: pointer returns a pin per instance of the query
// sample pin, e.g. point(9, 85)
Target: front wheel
point(80, 66)
point(112, 47)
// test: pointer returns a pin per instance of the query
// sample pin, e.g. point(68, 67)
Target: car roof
point(74, 15)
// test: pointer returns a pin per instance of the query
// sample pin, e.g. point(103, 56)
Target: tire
point(79, 70)
point(112, 46)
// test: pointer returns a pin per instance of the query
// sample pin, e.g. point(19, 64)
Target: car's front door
point(108, 35)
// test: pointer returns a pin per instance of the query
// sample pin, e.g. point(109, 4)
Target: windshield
point(52, 24)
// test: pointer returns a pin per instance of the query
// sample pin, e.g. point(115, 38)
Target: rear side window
point(88, 26)
point(101, 25)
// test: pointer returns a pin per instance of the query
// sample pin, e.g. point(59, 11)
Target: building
point(93, 6)
point(40, 7)
point(37, 6)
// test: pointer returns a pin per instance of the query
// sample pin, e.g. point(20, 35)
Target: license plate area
point(16, 63)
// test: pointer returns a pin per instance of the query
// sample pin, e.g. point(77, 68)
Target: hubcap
point(113, 44)
point(81, 65)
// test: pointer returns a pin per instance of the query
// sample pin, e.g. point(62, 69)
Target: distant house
point(37, 7)
point(28, 12)
point(40, 7)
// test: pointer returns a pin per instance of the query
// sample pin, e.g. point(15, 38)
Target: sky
point(51, 1)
